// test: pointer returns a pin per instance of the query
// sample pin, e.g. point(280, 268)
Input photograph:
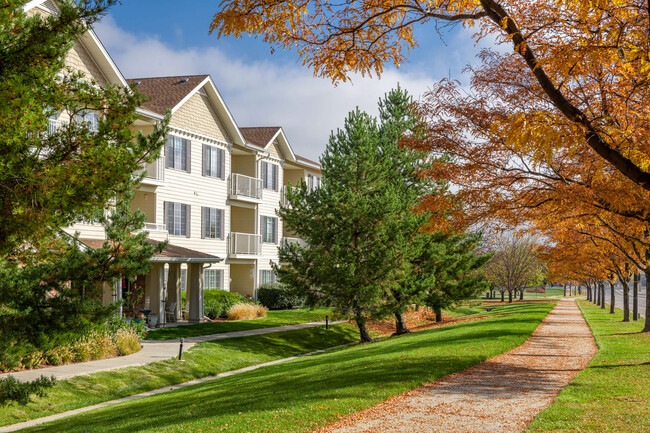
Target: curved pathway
point(152, 351)
point(502, 394)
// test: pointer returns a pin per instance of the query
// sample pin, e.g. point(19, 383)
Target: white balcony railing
point(245, 186)
point(53, 125)
point(154, 227)
point(287, 241)
point(155, 170)
point(245, 243)
point(283, 196)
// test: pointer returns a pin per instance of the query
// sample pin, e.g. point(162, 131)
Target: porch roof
point(171, 253)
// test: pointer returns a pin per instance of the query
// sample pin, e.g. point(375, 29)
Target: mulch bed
point(416, 321)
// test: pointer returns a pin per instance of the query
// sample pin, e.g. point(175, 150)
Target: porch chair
point(170, 313)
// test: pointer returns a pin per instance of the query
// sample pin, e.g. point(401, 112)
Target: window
point(313, 182)
point(212, 223)
point(214, 164)
point(267, 277)
point(269, 230)
point(88, 119)
point(177, 216)
point(213, 279)
point(269, 176)
point(183, 279)
point(177, 153)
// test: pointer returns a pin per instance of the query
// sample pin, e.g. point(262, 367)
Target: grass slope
point(273, 318)
point(301, 395)
point(205, 359)
point(613, 393)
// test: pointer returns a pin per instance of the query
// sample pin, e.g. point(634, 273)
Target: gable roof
point(90, 42)
point(165, 93)
point(170, 93)
point(302, 159)
point(264, 136)
point(171, 253)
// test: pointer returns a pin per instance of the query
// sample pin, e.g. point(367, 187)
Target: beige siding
point(293, 177)
point(244, 164)
point(196, 190)
point(270, 204)
point(274, 150)
point(79, 59)
point(87, 231)
point(242, 278)
point(198, 115)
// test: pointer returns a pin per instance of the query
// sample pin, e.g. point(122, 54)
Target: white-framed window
point(89, 119)
point(177, 216)
point(213, 223)
point(213, 279)
point(269, 229)
point(177, 153)
point(214, 162)
point(313, 182)
point(183, 279)
point(267, 277)
point(270, 176)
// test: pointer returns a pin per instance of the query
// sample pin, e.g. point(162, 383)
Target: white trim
point(112, 66)
point(196, 135)
point(282, 138)
point(149, 114)
point(32, 4)
point(220, 107)
point(308, 164)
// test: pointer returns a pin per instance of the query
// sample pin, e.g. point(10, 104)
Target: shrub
point(59, 355)
point(126, 342)
point(245, 311)
point(278, 297)
point(20, 392)
point(33, 359)
point(217, 303)
point(102, 346)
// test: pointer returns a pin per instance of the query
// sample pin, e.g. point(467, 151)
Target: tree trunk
point(400, 325)
point(602, 296)
point(363, 332)
point(521, 294)
point(438, 312)
point(626, 300)
point(646, 328)
point(612, 298)
point(597, 292)
point(588, 288)
point(502, 293)
point(509, 296)
point(635, 296)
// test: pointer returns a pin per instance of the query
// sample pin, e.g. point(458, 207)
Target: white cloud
point(263, 93)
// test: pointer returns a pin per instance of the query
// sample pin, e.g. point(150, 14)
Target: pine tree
point(354, 251)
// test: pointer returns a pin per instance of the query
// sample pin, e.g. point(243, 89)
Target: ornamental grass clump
point(243, 311)
point(126, 341)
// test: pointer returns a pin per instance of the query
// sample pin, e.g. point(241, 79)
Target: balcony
point(157, 232)
point(244, 244)
point(154, 172)
point(288, 241)
point(283, 197)
point(53, 125)
point(245, 188)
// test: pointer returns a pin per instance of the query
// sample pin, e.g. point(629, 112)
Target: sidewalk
point(152, 351)
point(502, 394)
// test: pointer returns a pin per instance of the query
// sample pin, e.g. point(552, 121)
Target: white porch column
point(154, 289)
point(174, 288)
point(107, 293)
point(195, 291)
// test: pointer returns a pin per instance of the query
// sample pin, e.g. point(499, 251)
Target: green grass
point(613, 393)
point(205, 359)
point(557, 292)
point(273, 318)
point(301, 395)
point(463, 310)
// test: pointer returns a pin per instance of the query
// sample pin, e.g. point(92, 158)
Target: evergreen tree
point(355, 247)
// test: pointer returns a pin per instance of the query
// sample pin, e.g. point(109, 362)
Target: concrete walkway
point(38, 421)
point(500, 395)
point(152, 351)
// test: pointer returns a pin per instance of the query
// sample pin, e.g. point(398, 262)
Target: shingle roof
point(303, 159)
point(259, 135)
point(165, 92)
point(170, 251)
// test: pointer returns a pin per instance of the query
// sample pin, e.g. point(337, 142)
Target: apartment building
point(212, 195)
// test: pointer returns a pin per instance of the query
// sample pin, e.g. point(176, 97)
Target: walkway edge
point(43, 420)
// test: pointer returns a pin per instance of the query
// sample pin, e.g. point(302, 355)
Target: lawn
point(613, 393)
point(273, 318)
point(301, 395)
point(557, 292)
point(205, 359)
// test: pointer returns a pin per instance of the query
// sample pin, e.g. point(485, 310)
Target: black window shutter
point(188, 153)
point(222, 164)
point(222, 215)
point(204, 222)
point(205, 160)
point(168, 150)
point(275, 230)
point(188, 219)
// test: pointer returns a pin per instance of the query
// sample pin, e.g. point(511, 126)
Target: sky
point(261, 87)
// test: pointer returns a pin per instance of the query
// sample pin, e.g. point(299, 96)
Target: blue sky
point(263, 88)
